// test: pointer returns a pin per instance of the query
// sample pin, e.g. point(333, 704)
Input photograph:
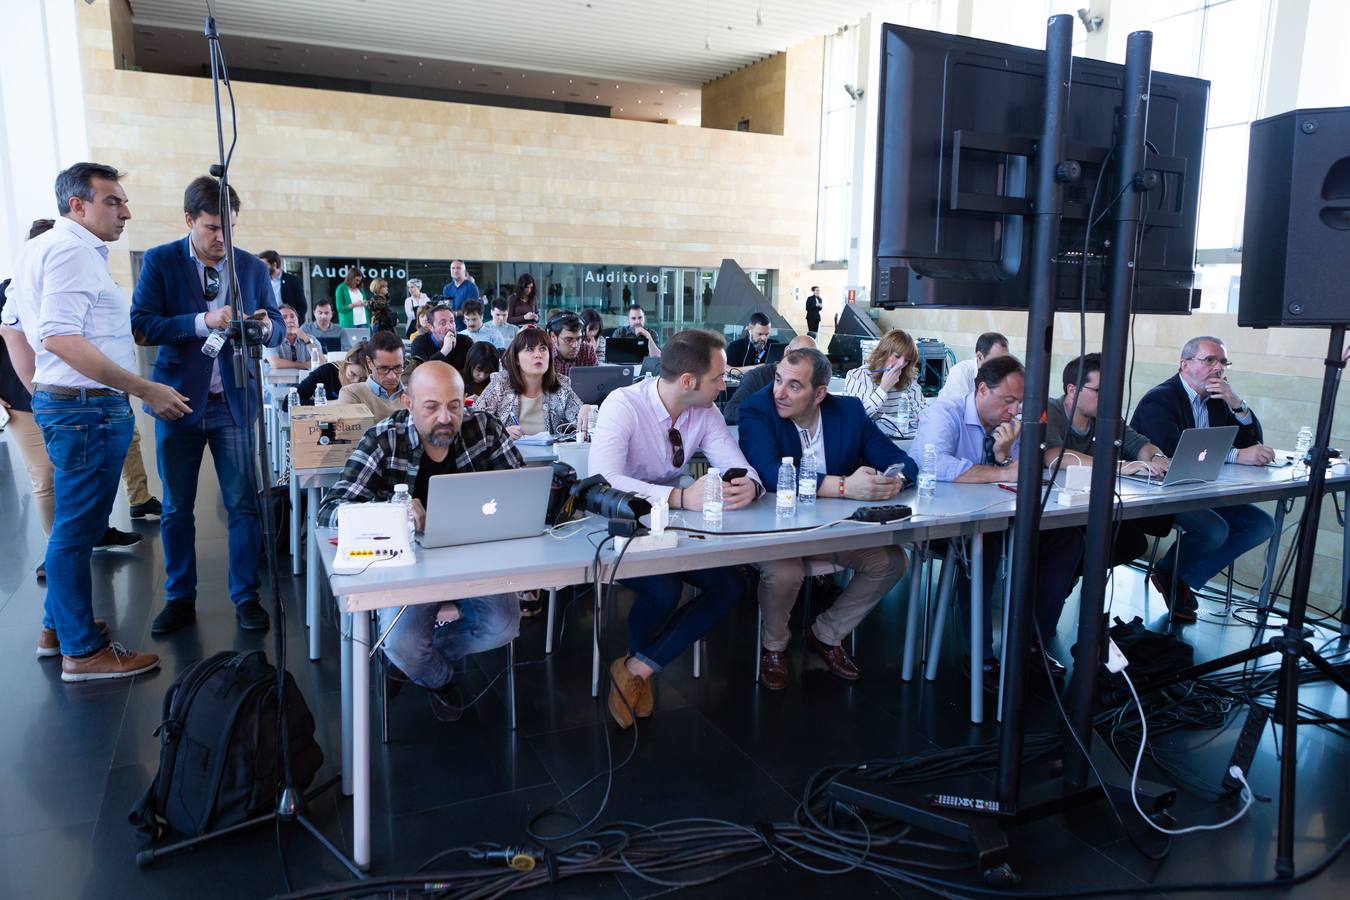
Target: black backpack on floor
point(219, 759)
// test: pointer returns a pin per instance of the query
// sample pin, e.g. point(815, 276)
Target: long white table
point(542, 562)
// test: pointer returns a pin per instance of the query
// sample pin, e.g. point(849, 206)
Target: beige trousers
point(875, 572)
point(28, 436)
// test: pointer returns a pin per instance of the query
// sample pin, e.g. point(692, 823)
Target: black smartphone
point(733, 474)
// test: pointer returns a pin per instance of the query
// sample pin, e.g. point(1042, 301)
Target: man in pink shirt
point(647, 433)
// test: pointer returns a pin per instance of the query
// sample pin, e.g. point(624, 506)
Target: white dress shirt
point(62, 286)
point(960, 380)
point(222, 297)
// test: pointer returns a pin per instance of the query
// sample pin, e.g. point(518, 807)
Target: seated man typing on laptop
point(645, 435)
point(1199, 396)
point(433, 435)
point(1076, 439)
point(976, 439)
point(852, 457)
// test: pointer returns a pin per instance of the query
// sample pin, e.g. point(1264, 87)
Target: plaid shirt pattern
point(390, 453)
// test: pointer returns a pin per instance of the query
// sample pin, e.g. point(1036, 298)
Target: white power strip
point(644, 542)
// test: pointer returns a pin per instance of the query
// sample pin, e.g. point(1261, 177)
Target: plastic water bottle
point(600, 349)
point(806, 479)
point(712, 499)
point(904, 415)
point(1301, 448)
point(928, 472)
point(787, 489)
point(404, 499)
point(293, 399)
point(321, 396)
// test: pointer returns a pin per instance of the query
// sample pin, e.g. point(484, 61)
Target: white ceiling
point(684, 43)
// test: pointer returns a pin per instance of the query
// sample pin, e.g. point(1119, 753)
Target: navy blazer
point(164, 312)
point(1165, 412)
point(851, 439)
point(293, 294)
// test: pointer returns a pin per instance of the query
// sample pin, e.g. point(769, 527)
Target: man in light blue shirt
point(976, 442)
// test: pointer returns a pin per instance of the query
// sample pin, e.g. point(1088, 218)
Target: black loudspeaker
point(1296, 239)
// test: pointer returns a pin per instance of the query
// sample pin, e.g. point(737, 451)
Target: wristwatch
point(1240, 411)
point(1003, 465)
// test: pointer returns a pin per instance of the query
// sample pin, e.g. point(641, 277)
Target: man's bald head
point(435, 398)
point(801, 342)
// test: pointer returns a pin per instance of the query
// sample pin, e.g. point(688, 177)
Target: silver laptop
point(474, 507)
point(1199, 456)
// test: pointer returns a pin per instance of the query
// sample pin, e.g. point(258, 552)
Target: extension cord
point(645, 542)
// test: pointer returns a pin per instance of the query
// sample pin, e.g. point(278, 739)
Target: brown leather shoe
point(49, 645)
point(836, 658)
point(773, 669)
point(113, 661)
point(1184, 605)
point(625, 686)
point(643, 707)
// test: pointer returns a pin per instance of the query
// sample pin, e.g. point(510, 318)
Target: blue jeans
point(425, 651)
point(1215, 537)
point(180, 460)
point(659, 629)
point(87, 440)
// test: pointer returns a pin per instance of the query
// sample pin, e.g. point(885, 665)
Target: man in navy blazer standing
point(852, 455)
point(1199, 396)
point(181, 297)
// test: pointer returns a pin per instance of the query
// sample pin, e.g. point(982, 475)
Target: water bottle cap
point(400, 489)
point(787, 460)
point(714, 471)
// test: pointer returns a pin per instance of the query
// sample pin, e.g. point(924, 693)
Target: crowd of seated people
point(514, 376)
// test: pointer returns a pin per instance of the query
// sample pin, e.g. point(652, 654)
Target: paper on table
point(542, 439)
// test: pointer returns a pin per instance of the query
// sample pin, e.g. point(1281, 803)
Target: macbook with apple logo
point(474, 507)
point(1199, 457)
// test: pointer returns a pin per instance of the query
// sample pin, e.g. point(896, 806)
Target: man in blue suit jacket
point(180, 298)
point(852, 454)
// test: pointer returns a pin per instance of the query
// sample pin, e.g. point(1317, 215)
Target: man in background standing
point(461, 286)
point(814, 304)
point(286, 288)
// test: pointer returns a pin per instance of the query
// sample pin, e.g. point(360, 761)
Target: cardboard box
point(322, 437)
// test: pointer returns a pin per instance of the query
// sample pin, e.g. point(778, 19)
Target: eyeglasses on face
point(387, 370)
point(1213, 360)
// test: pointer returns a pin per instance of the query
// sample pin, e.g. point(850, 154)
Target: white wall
point(42, 116)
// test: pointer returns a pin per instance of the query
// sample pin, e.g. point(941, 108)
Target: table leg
point(1273, 557)
point(1345, 570)
point(346, 666)
point(361, 741)
point(946, 591)
point(313, 588)
point(916, 610)
point(976, 627)
point(294, 486)
point(552, 618)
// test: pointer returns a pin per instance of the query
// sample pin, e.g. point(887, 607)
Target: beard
point(440, 437)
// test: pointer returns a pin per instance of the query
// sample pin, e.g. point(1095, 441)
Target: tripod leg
point(1345, 570)
point(1288, 701)
point(328, 845)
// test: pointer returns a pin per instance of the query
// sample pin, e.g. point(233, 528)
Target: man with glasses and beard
point(568, 348)
point(181, 298)
point(647, 433)
point(1199, 396)
point(431, 435)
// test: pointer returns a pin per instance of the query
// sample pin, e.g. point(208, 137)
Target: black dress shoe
point(251, 616)
point(175, 615)
point(42, 572)
point(989, 674)
point(116, 540)
point(150, 507)
point(1057, 668)
point(447, 704)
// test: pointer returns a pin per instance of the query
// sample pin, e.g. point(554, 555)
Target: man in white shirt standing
point(960, 381)
point(77, 325)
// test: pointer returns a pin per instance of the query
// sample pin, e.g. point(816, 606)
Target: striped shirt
point(886, 405)
point(390, 453)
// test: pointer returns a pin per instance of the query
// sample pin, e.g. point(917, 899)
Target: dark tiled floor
point(77, 757)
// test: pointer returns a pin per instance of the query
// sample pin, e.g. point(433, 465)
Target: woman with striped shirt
point(887, 383)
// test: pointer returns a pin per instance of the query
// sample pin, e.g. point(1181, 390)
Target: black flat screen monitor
point(958, 123)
